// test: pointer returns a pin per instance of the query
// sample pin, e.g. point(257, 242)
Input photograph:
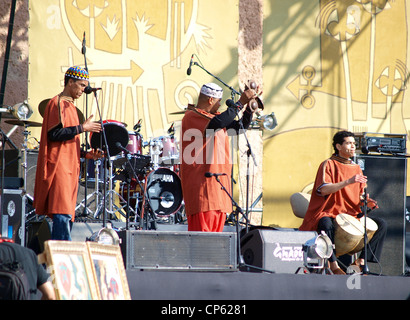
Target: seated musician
point(339, 188)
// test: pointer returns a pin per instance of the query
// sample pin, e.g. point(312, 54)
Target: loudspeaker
point(185, 251)
point(386, 183)
point(38, 232)
point(11, 161)
point(32, 156)
point(13, 213)
point(275, 250)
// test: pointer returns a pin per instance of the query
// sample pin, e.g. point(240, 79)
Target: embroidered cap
point(212, 90)
point(77, 72)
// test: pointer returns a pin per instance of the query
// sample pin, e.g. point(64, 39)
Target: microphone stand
point(83, 51)
point(238, 210)
point(106, 158)
point(365, 266)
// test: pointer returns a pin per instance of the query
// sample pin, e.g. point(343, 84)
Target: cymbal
point(42, 108)
point(24, 123)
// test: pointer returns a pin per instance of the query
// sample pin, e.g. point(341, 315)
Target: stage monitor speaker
point(184, 251)
point(386, 183)
point(275, 250)
point(13, 215)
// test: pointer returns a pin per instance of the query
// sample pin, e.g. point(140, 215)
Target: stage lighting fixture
point(21, 111)
point(106, 235)
point(266, 122)
point(316, 251)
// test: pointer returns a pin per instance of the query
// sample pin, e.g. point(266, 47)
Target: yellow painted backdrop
point(137, 51)
point(328, 64)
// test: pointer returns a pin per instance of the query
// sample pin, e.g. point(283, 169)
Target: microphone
point(118, 145)
point(89, 89)
point(138, 125)
point(189, 70)
point(210, 174)
point(231, 104)
point(171, 129)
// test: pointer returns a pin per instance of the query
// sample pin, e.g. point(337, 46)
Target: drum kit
point(148, 184)
point(130, 184)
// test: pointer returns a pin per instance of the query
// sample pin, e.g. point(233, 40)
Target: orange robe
point(58, 163)
point(201, 154)
point(347, 200)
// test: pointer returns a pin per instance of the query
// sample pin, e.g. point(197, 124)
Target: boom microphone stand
point(249, 151)
point(238, 210)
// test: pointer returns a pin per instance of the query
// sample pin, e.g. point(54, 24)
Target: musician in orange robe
point(206, 149)
point(58, 164)
point(339, 188)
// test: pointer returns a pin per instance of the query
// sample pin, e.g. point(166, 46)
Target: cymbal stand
point(97, 194)
point(24, 164)
point(111, 192)
point(146, 204)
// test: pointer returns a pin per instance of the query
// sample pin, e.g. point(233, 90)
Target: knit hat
point(212, 90)
point(77, 72)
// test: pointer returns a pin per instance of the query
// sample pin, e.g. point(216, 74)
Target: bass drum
point(164, 191)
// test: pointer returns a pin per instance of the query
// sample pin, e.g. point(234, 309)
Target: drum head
point(164, 191)
point(114, 132)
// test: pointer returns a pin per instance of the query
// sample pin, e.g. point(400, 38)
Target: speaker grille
point(181, 250)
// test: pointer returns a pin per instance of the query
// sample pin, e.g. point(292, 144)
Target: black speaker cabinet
point(275, 250)
point(11, 161)
point(12, 215)
point(386, 184)
point(182, 250)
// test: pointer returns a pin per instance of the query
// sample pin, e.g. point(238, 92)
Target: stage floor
point(238, 285)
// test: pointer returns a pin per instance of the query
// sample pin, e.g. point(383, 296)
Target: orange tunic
point(201, 154)
point(347, 200)
point(58, 164)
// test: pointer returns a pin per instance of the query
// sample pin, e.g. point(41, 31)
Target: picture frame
point(109, 271)
point(71, 271)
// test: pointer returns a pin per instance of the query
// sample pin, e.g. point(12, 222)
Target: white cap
point(212, 90)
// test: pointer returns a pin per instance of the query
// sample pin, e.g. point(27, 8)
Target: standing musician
point(58, 164)
point(205, 149)
point(338, 188)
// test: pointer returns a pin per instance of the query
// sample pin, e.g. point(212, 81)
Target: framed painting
point(109, 271)
point(71, 270)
